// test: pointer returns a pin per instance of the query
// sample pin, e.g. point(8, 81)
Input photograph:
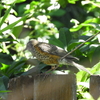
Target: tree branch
point(80, 45)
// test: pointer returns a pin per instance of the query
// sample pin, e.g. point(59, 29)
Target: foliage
point(65, 23)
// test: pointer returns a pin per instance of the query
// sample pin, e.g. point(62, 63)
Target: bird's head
point(31, 44)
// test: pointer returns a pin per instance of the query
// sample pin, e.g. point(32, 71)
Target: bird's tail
point(72, 63)
point(80, 67)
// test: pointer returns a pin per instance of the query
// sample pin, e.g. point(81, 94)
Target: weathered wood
point(43, 87)
point(21, 88)
point(95, 86)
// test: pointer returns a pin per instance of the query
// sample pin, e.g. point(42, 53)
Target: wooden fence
point(95, 86)
point(49, 87)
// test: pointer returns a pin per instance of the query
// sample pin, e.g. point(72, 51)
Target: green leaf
point(17, 65)
point(13, 24)
point(96, 68)
point(2, 88)
point(17, 30)
point(5, 16)
point(58, 24)
point(58, 12)
point(6, 39)
point(5, 58)
point(82, 76)
point(65, 36)
point(84, 48)
point(4, 68)
point(5, 91)
point(72, 1)
point(88, 23)
point(5, 81)
point(56, 42)
point(63, 3)
point(73, 44)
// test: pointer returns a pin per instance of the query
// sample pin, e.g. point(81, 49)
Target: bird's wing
point(54, 50)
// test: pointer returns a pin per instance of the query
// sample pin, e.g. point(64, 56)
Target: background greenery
point(65, 23)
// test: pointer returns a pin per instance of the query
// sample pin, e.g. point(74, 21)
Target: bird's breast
point(45, 57)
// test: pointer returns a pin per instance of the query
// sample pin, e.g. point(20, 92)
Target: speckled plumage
point(51, 54)
point(47, 53)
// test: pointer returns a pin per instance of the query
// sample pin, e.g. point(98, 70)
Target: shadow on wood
point(95, 86)
point(43, 87)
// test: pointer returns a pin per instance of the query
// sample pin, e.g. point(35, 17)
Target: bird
point(52, 55)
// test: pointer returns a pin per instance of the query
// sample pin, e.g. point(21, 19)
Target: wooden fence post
point(43, 87)
point(95, 86)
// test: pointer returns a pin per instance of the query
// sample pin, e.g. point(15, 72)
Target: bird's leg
point(54, 67)
point(48, 72)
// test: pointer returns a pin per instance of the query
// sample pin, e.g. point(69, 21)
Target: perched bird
point(51, 55)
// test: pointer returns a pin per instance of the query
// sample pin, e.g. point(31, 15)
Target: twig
point(80, 45)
